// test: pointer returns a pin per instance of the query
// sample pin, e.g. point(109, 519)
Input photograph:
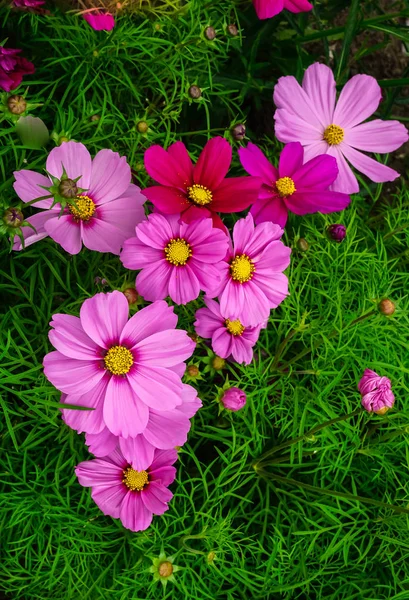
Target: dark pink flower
point(126, 494)
point(13, 68)
point(197, 191)
point(266, 9)
point(234, 399)
point(337, 232)
point(28, 3)
point(376, 392)
point(294, 186)
point(100, 21)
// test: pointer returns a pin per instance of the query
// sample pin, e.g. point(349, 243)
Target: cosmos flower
point(120, 368)
point(177, 259)
point(197, 191)
point(229, 337)
point(105, 214)
point(13, 68)
point(376, 392)
point(294, 186)
point(123, 493)
point(266, 9)
point(311, 114)
point(27, 3)
point(100, 21)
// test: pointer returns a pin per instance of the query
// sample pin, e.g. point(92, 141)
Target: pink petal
point(358, 100)
point(232, 300)
point(164, 458)
point(98, 472)
point(165, 475)
point(179, 153)
point(314, 149)
point(297, 6)
point(103, 317)
point(100, 21)
point(65, 232)
point(377, 136)
point(76, 160)
point(304, 202)
point(242, 234)
point(137, 451)
point(157, 387)
point(263, 235)
point(275, 257)
point(213, 164)
point(109, 498)
point(274, 286)
point(148, 321)
point(289, 95)
point(319, 85)
point(125, 212)
point(27, 187)
point(89, 421)
point(169, 200)
point(157, 230)
point(291, 159)
point(208, 275)
point(318, 173)
point(190, 401)
point(235, 194)
point(165, 348)
point(256, 306)
point(183, 284)
point(124, 413)
point(71, 376)
point(206, 322)
point(266, 9)
point(373, 169)
point(155, 498)
point(153, 282)
point(167, 429)
point(256, 163)
point(242, 351)
point(134, 515)
point(100, 236)
point(136, 255)
point(69, 338)
point(346, 182)
point(166, 168)
point(193, 213)
point(34, 235)
point(273, 210)
point(222, 342)
point(101, 444)
point(110, 177)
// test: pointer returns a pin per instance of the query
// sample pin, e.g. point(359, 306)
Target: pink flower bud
point(376, 392)
point(233, 399)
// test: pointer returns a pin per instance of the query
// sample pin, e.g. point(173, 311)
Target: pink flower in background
point(123, 493)
point(100, 21)
point(252, 278)
point(270, 8)
point(197, 191)
point(177, 259)
point(165, 430)
point(13, 68)
point(376, 392)
point(106, 213)
point(310, 114)
point(229, 337)
point(117, 366)
point(294, 186)
point(27, 3)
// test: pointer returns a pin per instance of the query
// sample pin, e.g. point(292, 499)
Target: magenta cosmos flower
point(105, 214)
point(294, 186)
point(28, 3)
point(120, 368)
point(201, 190)
point(229, 336)
point(252, 279)
point(310, 114)
point(13, 68)
point(165, 430)
point(100, 21)
point(266, 9)
point(123, 493)
point(376, 392)
point(177, 259)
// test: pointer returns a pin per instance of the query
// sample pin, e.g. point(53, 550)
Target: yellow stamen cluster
point(285, 186)
point(84, 209)
point(333, 135)
point(242, 268)
point(199, 194)
point(118, 360)
point(178, 252)
point(135, 480)
point(234, 327)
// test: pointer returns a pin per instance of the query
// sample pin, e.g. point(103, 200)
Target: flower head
point(201, 190)
point(376, 392)
point(100, 21)
point(120, 368)
point(270, 8)
point(337, 232)
point(163, 569)
point(126, 494)
point(13, 68)
point(177, 259)
point(233, 399)
point(294, 186)
point(103, 216)
point(252, 278)
point(28, 4)
point(310, 114)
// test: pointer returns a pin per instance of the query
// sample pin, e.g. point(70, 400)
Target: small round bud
point(95, 53)
point(16, 105)
point(157, 26)
point(233, 399)
point(211, 556)
point(386, 307)
point(13, 217)
point(142, 127)
point(232, 29)
point(192, 371)
point(210, 33)
point(303, 245)
point(194, 337)
point(195, 92)
point(131, 295)
point(68, 188)
point(63, 139)
point(95, 118)
point(239, 131)
point(218, 363)
point(165, 569)
point(337, 232)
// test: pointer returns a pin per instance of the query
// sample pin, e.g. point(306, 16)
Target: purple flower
point(376, 392)
point(13, 68)
point(337, 232)
point(28, 3)
point(233, 399)
point(100, 21)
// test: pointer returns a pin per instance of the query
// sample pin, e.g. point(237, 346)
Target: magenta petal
point(137, 451)
point(377, 136)
point(136, 255)
point(75, 159)
point(193, 213)
point(165, 348)
point(274, 286)
point(358, 100)
point(222, 342)
point(373, 169)
point(101, 444)
point(134, 515)
point(99, 472)
point(307, 201)
point(103, 317)
point(167, 429)
point(266, 9)
point(213, 164)
point(155, 498)
point(30, 235)
point(274, 210)
point(169, 200)
point(27, 187)
point(65, 232)
point(235, 194)
point(206, 322)
point(183, 284)
point(124, 413)
point(150, 320)
point(71, 376)
point(297, 6)
point(69, 338)
point(88, 421)
point(291, 159)
point(242, 351)
point(157, 387)
point(256, 163)
point(110, 176)
point(232, 300)
point(319, 85)
point(165, 167)
point(318, 173)
point(263, 235)
point(190, 401)
point(153, 282)
point(256, 305)
point(179, 153)
point(164, 458)
point(100, 21)
point(109, 499)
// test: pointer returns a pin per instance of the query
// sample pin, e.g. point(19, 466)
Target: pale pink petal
point(319, 85)
point(101, 236)
point(103, 317)
point(148, 321)
point(213, 163)
point(157, 387)
point(27, 187)
point(256, 163)
point(291, 159)
point(155, 498)
point(157, 230)
point(256, 306)
point(358, 100)
point(373, 169)
point(316, 148)
point(71, 376)
point(275, 257)
point(76, 160)
point(289, 95)
point(165, 348)
point(274, 286)
point(167, 429)
point(262, 236)
point(208, 275)
point(291, 128)
point(65, 232)
point(190, 401)
point(110, 176)
point(137, 451)
point(377, 136)
point(125, 212)
point(152, 282)
point(69, 338)
point(346, 182)
point(183, 284)
point(89, 421)
point(98, 472)
point(102, 443)
point(30, 235)
point(134, 515)
point(124, 413)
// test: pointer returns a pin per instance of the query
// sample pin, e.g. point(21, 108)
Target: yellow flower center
point(84, 208)
point(178, 252)
point(242, 268)
point(333, 135)
point(165, 569)
point(199, 194)
point(285, 186)
point(234, 327)
point(135, 480)
point(118, 360)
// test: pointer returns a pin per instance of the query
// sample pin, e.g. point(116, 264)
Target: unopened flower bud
point(195, 92)
point(218, 363)
point(68, 188)
point(233, 399)
point(194, 337)
point(165, 569)
point(192, 371)
point(337, 232)
point(303, 245)
point(386, 307)
point(16, 105)
point(13, 217)
point(63, 139)
point(95, 118)
point(232, 29)
point(239, 131)
point(210, 33)
point(131, 295)
point(376, 392)
point(142, 127)
point(211, 556)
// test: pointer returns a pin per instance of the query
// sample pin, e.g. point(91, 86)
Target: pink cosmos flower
point(177, 259)
point(100, 21)
point(311, 115)
point(165, 430)
point(106, 213)
point(28, 3)
point(123, 493)
point(229, 337)
point(376, 392)
point(300, 188)
point(270, 8)
point(252, 279)
point(13, 68)
point(234, 399)
point(120, 368)
point(201, 190)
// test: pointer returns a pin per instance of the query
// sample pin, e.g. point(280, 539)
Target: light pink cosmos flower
point(294, 186)
point(165, 430)
point(229, 337)
point(100, 21)
point(106, 213)
point(311, 115)
point(252, 279)
point(376, 392)
point(266, 9)
point(123, 493)
point(120, 368)
point(177, 259)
